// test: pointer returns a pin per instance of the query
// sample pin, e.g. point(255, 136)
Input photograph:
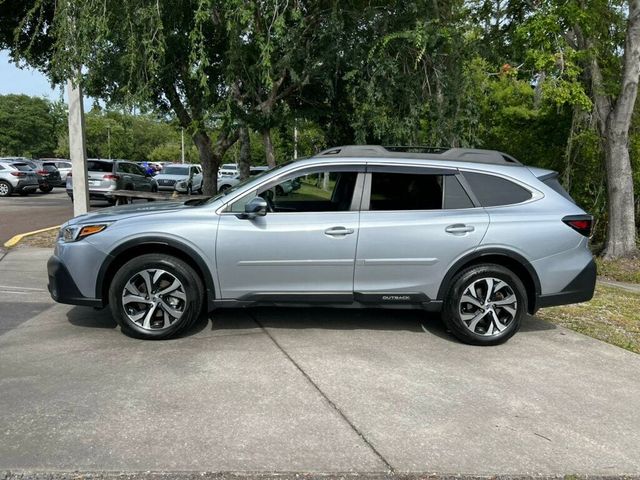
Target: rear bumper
point(580, 289)
point(62, 287)
point(23, 186)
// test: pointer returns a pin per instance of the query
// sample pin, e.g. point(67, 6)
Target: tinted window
point(554, 183)
point(97, 166)
point(454, 195)
point(1, 167)
point(492, 191)
point(23, 167)
point(405, 191)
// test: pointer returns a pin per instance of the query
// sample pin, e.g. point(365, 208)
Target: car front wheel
point(485, 305)
point(155, 296)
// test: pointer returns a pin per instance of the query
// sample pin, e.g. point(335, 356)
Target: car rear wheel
point(5, 189)
point(46, 188)
point(155, 296)
point(485, 305)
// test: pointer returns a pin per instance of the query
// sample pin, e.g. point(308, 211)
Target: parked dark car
point(48, 174)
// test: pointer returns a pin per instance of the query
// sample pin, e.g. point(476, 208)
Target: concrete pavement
point(304, 390)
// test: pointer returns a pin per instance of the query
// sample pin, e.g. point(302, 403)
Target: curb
point(13, 241)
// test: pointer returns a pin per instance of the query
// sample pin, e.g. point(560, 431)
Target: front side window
point(314, 191)
point(321, 191)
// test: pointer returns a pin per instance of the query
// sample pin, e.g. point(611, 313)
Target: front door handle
point(459, 228)
point(338, 231)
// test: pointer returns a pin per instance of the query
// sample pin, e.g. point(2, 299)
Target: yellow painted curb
point(13, 241)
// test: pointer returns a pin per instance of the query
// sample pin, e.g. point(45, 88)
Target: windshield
point(247, 181)
point(176, 171)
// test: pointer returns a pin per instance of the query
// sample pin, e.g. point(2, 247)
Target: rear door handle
point(338, 231)
point(458, 228)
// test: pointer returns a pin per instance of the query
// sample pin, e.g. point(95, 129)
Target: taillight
point(42, 172)
point(18, 174)
point(69, 174)
point(111, 176)
point(580, 223)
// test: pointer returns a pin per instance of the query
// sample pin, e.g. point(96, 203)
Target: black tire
point(45, 189)
point(224, 188)
point(453, 307)
point(191, 305)
point(6, 189)
point(154, 189)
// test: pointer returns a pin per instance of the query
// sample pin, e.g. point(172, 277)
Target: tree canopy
point(552, 83)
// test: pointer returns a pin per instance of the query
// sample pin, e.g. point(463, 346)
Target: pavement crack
point(335, 407)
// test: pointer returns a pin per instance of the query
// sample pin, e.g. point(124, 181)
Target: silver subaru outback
point(473, 234)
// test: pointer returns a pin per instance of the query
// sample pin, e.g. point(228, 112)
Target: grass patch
point(621, 270)
point(611, 316)
point(40, 240)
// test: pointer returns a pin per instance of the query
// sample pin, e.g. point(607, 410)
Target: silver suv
point(16, 177)
point(106, 176)
point(473, 234)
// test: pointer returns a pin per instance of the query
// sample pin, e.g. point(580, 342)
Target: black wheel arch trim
point(162, 241)
point(491, 252)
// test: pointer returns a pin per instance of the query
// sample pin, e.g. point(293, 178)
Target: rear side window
point(405, 191)
point(493, 191)
point(94, 166)
point(553, 183)
point(416, 191)
point(23, 167)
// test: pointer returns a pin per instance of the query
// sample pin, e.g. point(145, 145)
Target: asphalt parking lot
point(35, 211)
point(306, 390)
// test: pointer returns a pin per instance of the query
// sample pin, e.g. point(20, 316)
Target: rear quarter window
point(493, 191)
point(553, 183)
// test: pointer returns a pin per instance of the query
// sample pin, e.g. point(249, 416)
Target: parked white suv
point(180, 172)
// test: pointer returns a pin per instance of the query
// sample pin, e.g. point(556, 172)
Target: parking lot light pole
point(77, 149)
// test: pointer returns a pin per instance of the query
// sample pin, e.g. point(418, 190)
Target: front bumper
point(62, 287)
point(580, 289)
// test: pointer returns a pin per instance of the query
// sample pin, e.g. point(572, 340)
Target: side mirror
point(257, 207)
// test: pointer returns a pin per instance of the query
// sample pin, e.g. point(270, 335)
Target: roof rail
point(422, 152)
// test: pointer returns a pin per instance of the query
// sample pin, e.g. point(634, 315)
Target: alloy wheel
point(488, 306)
point(4, 190)
point(154, 299)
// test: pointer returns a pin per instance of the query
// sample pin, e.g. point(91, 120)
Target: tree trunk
point(244, 162)
point(209, 161)
point(268, 147)
point(621, 230)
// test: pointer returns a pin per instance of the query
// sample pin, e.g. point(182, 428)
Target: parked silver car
point(16, 177)
point(473, 234)
point(105, 176)
point(180, 172)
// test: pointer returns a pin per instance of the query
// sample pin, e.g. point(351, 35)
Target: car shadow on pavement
point(101, 318)
point(91, 317)
point(350, 319)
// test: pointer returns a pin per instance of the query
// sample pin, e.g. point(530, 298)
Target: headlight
point(73, 233)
